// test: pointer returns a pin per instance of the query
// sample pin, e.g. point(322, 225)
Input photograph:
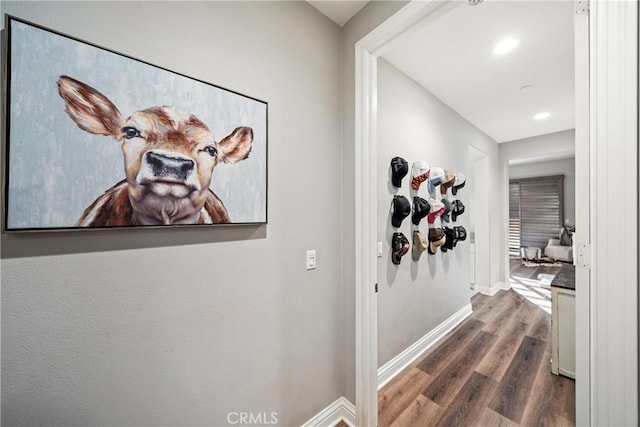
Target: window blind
point(537, 202)
point(514, 219)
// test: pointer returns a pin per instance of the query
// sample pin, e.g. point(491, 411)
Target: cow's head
point(169, 155)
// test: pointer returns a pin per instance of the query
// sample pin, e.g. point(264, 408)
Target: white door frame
point(613, 117)
point(481, 221)
point(582, 237)
point(367, 51)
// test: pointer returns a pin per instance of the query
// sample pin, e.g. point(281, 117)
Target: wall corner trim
point(491, 291)
point(340, 410)
point(396, 365)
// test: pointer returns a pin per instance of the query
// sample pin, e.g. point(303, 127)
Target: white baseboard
point(411, 353)
point(492, 290)
point(340, 410)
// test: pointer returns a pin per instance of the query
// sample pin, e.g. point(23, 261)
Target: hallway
point(493, 369)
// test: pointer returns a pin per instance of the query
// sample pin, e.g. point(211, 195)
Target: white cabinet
point(563, 331)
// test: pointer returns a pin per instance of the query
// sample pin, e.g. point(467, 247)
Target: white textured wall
point(416, 296)
point(182, 326)
point(566, 167)
point(540, 148)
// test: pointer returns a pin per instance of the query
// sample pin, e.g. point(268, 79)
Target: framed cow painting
point(97, 139)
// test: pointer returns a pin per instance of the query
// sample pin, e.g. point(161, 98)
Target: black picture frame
point(75, 112)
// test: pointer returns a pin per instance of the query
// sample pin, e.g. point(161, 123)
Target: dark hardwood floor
point(492, 370)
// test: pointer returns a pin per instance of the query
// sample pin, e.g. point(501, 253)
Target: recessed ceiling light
point(541, 116)
point(506, 45)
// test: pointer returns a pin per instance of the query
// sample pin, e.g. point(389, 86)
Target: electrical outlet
point(379, 249)
point(311, 259)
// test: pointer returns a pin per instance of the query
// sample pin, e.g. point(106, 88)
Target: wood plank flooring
point(492, 370)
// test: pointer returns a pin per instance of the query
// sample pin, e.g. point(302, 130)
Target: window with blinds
point(535, 211)
point(514, 219)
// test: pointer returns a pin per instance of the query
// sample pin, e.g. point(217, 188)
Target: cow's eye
point(211, 150)
point(131, 132)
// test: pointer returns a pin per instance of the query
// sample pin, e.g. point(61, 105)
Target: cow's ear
point(88, 108)
point(236, 146)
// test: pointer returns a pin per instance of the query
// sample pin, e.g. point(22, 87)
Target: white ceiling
point(339, 11)
point(453, 59)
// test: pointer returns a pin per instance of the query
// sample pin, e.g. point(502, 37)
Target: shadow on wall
point(19, 245)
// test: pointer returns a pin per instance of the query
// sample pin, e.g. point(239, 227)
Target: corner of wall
point(493, 289)
point(340, 410)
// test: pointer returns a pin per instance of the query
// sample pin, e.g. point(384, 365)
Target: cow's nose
point(165, 166)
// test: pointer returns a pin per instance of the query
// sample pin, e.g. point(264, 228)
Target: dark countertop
point(566, 278)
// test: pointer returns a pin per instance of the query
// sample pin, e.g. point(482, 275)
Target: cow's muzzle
point(168, 168)
point(168, 173)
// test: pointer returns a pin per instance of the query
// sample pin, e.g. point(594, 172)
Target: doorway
point(367, 51)
point(479, 232)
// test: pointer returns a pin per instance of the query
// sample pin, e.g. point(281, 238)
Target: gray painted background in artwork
point(57, 169)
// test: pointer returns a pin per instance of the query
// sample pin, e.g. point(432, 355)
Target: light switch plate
point(311, 259)
point(379, 249)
